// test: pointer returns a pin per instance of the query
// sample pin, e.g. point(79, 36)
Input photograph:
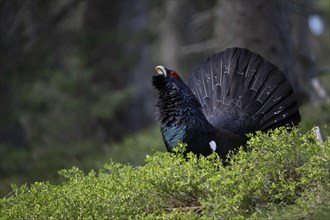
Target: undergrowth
point(280, 175)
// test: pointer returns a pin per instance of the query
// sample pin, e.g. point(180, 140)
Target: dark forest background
point(75, 75)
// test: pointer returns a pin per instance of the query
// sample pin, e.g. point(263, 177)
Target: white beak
point(161, 70)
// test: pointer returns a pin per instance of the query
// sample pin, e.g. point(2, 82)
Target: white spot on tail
point(213, 145)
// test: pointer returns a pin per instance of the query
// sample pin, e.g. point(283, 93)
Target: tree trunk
point(261, 26)
point(169, 34)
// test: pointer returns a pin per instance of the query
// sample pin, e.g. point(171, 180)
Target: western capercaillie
point(228, 95)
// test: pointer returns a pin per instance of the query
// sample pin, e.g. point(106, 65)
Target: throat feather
point(181, 111)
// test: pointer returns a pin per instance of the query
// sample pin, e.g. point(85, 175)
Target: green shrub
point(280, 175)
point(21, 166)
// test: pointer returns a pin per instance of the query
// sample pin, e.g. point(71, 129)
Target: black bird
point(228, 95)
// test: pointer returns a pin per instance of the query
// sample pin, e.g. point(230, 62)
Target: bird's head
point(167, 80)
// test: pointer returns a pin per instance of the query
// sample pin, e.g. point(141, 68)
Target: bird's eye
point(175, 74)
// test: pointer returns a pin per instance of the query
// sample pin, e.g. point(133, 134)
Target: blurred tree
point(68, 59)
point(262, 26)
point(169, 32)
point(114, 29)
point(306, 53)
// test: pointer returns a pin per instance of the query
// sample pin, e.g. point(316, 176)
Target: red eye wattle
point(175, 74)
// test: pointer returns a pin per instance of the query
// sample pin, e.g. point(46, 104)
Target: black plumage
point(228, 95)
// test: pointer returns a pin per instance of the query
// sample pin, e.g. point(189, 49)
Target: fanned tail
point(242, 92)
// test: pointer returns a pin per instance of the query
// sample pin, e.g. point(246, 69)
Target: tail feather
point(241, 91)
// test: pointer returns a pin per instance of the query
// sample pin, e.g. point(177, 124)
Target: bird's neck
point(182, 111)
